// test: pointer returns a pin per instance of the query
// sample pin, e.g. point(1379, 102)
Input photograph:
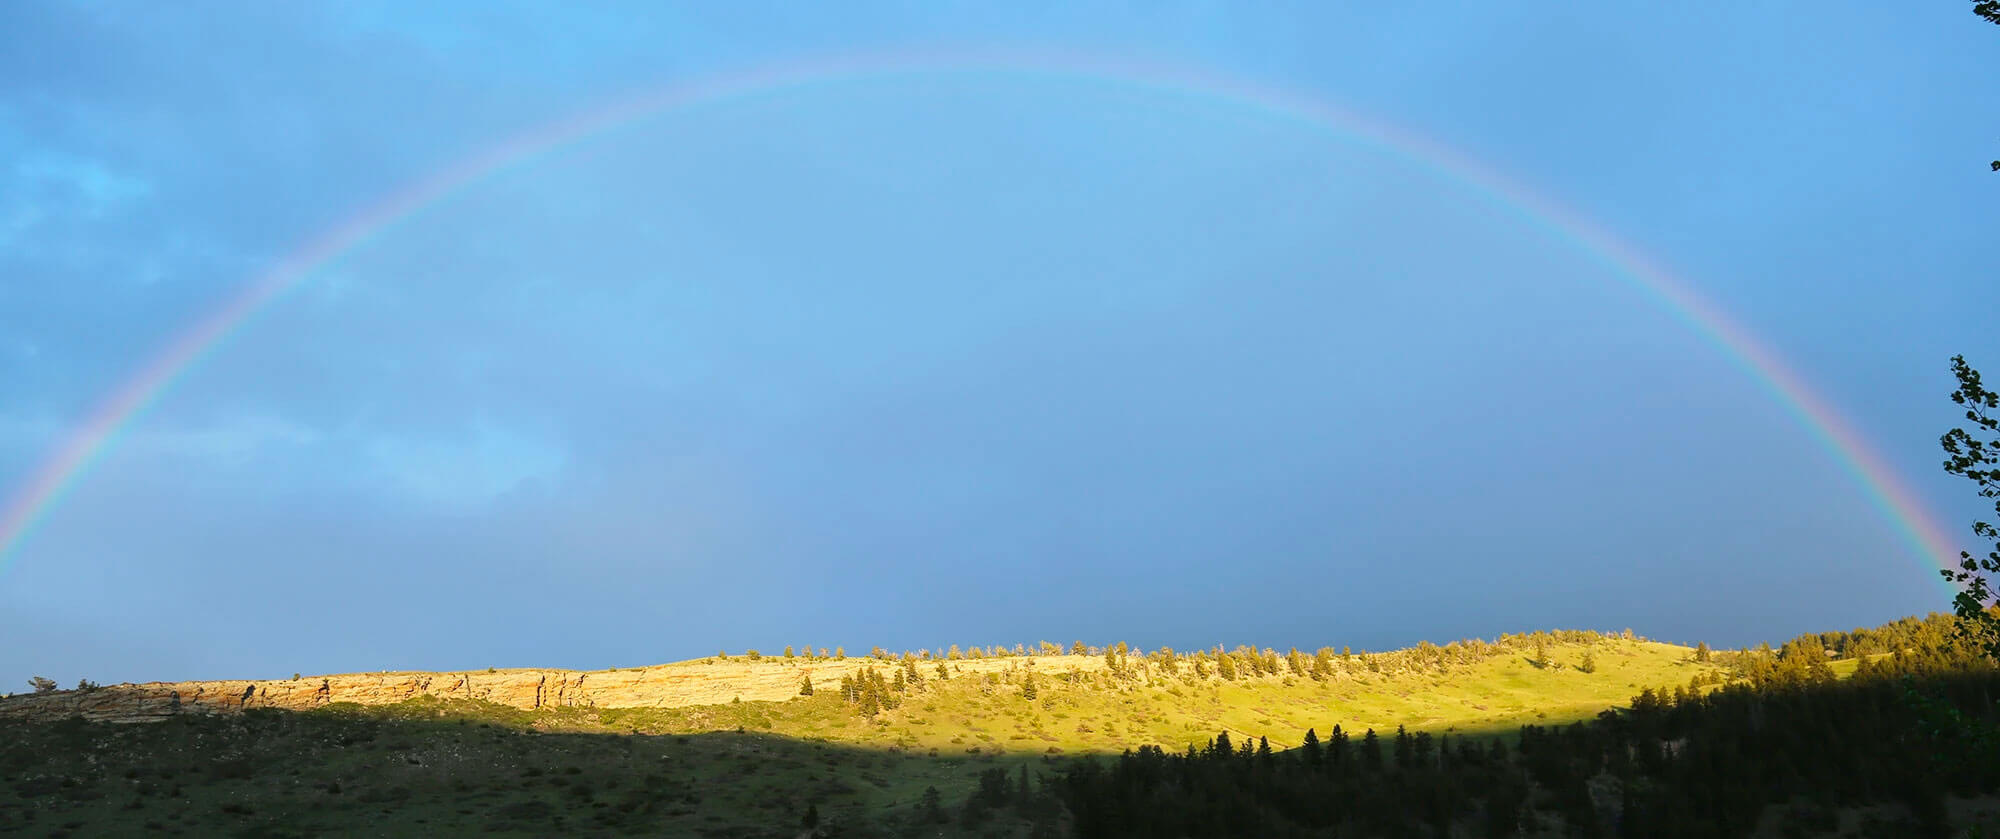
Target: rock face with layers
point(700, 682)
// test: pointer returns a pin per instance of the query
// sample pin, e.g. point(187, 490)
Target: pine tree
point(1028, 687)
point(1310, 748)
point(1225, 665)
point(1701, 652)
point(1588, 664)
point(806, 685)
point(931, 808)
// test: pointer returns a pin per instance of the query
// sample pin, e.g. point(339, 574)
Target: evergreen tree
point(1701, 652)
point(806, 685)
point(1589, 662)
point(1310, 749)
point(1077, 648)
point(1225, 665)
point(1028, 687)
point(931, 808)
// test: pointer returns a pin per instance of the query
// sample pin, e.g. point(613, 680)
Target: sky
point(972, 352)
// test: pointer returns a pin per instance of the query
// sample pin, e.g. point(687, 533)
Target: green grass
point(1101, 714)
point(430, 766)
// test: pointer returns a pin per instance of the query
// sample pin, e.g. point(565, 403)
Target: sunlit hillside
point(743, 764)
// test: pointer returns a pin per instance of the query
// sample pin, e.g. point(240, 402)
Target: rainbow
point(65, 466)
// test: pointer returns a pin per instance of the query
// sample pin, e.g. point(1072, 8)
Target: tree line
point(1684, 761)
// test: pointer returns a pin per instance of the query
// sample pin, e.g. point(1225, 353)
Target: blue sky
point(977, 357)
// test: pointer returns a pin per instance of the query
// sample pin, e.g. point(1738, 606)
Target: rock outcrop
point(700, 682)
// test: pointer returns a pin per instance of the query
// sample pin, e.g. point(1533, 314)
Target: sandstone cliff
point(700, 682)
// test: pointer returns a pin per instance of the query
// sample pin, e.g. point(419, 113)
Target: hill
point(727, 746)
point(1086, 702)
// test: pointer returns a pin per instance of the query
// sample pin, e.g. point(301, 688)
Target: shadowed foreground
point(436, 768)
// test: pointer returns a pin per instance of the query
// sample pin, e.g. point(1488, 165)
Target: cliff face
point(702, 682)
point(159, 700)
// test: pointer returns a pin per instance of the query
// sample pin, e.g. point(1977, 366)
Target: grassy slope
point(462, 766)
point(1097, 714)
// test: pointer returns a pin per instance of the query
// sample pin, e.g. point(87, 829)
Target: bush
point(42, 684)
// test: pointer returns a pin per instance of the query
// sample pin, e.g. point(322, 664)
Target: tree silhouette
point(1977, 460)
